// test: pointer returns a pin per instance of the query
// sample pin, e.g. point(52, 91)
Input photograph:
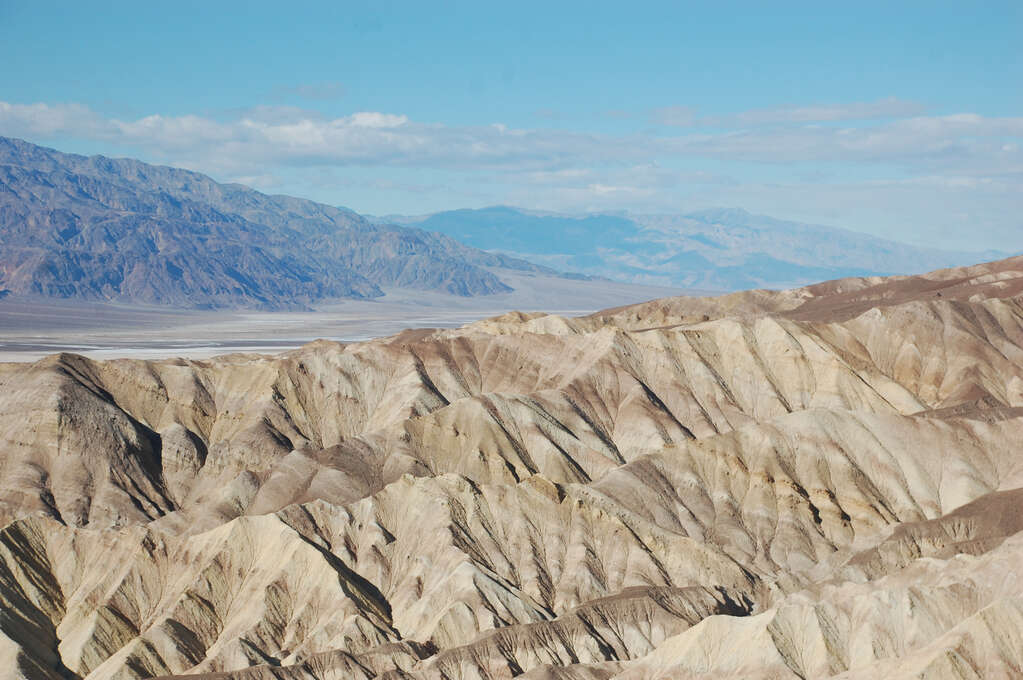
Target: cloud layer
point(888, 146)
point(889, 107)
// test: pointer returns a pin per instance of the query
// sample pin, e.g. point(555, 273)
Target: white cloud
point(41, 120)
point(889, 107)
point(920, 142)
point(607, 189)
point(939, 168)
point(376, 120)
point(290, 136)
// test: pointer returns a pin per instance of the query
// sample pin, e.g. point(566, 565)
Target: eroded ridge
point(823, 482)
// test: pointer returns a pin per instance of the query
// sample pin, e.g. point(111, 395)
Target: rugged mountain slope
point(822, 482)
point(119, 229)
point(722, 249)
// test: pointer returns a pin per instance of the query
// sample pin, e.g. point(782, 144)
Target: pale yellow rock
point(825, 482)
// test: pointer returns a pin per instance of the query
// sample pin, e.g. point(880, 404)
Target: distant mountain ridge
point(721, 249)
point(119, 229)
point(122, 230)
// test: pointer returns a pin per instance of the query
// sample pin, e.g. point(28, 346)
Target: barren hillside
point(822, 482)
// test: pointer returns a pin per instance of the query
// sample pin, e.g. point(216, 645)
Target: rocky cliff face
point(824, 482)
point(118, 229)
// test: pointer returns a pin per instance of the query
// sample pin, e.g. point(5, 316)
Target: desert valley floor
point(31, 328)
point(815, 483)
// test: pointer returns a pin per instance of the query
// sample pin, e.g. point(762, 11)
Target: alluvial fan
point(822, 482)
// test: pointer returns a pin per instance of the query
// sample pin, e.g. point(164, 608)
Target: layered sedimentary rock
point(824, 482)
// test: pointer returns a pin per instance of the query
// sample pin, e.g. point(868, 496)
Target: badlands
point(824, 482)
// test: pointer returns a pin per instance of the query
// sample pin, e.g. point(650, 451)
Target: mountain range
point(719, 249)
point(105, 229)
point(118, 229)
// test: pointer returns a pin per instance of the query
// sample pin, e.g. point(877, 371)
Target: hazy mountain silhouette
point(720, 249)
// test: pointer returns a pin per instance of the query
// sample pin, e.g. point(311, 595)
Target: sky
point(899, 119)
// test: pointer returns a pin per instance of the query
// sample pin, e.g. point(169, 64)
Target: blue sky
point(898, 119)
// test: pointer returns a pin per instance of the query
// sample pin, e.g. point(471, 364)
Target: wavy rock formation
point(822, 482)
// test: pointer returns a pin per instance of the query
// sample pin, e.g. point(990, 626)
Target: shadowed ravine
point(824, 482)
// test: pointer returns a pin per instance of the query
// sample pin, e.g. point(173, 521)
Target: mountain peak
point(120, 229)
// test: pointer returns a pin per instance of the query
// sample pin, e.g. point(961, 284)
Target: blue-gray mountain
point(723, 249)
point(119, 229)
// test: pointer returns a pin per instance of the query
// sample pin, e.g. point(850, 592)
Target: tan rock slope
point(823, 482)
